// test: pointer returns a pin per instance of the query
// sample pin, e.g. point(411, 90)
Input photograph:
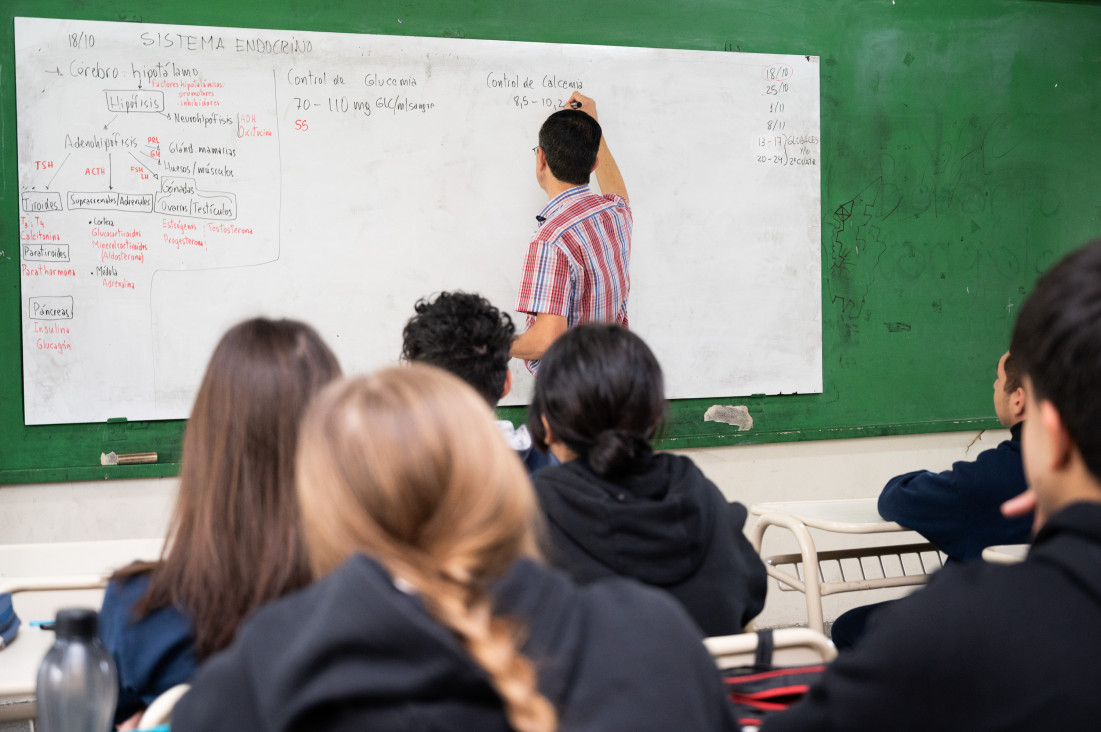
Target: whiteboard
point(177, 179)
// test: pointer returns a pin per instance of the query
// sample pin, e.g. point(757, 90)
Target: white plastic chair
point(160, 711)
point(793, 647)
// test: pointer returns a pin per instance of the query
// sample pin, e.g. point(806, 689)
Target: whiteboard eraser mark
point(737, 415)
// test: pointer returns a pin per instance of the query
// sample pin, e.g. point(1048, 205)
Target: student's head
point(1009, 393)
point(236, 541)
point(570, 139)
point(599, 393)
point(465, 334)
point(408, 467)
point(1057, 342)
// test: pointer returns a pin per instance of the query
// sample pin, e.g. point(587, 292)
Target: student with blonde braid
point(431, 608)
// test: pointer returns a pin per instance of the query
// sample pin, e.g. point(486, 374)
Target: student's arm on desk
point(929, 503)
point(957, 509)
point(608, 176)
point(534, 342)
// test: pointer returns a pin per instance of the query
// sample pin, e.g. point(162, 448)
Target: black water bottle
point(77, 682)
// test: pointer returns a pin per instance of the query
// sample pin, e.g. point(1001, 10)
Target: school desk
point(43, 579)
point(905, 565)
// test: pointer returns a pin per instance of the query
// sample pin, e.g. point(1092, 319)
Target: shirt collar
point(559, 202)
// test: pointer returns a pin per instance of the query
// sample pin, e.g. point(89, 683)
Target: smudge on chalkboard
point(897, 327)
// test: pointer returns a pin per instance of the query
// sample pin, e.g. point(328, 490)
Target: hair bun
point(617, 452)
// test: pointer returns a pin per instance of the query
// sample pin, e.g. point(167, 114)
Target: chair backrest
point(160, 711)
point(793, 647)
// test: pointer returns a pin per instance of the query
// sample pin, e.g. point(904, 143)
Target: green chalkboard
point(959, 159)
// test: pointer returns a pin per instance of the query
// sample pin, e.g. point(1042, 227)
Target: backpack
point(763, 689)
point(9, 621)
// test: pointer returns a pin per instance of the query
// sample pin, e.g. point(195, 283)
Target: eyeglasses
point(535, 149)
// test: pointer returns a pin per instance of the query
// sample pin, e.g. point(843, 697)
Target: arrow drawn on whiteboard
point(144, 166)
point(155, 160)
point(58, 170)
point(109, 123)
point(55, 71)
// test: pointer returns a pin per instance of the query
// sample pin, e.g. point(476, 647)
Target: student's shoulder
point(685, 475)
point(117, 616)
point(964, 600)
point(126, 589)
point(359, 582)
point(628, 604)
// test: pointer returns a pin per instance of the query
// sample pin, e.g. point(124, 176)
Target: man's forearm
point(534, 342)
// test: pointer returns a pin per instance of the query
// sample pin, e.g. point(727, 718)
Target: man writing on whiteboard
point(577, 265)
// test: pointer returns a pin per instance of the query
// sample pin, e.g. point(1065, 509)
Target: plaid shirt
point(577, 264)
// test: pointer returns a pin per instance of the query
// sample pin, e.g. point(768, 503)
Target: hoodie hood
point(377, 643)
point(1070, 540)
point(656, 526)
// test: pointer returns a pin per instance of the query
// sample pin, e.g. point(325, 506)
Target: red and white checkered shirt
point(577, 264)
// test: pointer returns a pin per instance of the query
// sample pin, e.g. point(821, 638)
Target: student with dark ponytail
point(614, 507)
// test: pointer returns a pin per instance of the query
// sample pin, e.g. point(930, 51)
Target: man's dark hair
point(1014, 376)
point(570, 139)
point(1057, 341)
point(465, 334)
point(601, 391)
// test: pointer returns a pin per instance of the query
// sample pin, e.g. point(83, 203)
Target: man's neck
point(555, 188)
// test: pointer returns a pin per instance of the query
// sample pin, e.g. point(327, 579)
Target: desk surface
point(19, 662)
point(849, 516)
point(74, 557)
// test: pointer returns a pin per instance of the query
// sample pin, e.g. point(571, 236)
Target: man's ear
point(547, 430)
point(508, 384)
point(1016, 403)
point(1060, 446)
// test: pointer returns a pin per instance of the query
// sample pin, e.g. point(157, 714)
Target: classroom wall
point(852, 468)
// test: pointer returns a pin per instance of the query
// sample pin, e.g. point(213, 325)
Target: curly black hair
point(465, 334)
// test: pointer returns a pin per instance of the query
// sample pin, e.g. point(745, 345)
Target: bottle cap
point(77, 622)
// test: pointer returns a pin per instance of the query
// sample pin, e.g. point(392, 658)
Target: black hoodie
point(982, 648)
point(354, 652)
point(667, 526)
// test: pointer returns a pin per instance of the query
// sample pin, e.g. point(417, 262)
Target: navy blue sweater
point(959, 510)
point(152, 654)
